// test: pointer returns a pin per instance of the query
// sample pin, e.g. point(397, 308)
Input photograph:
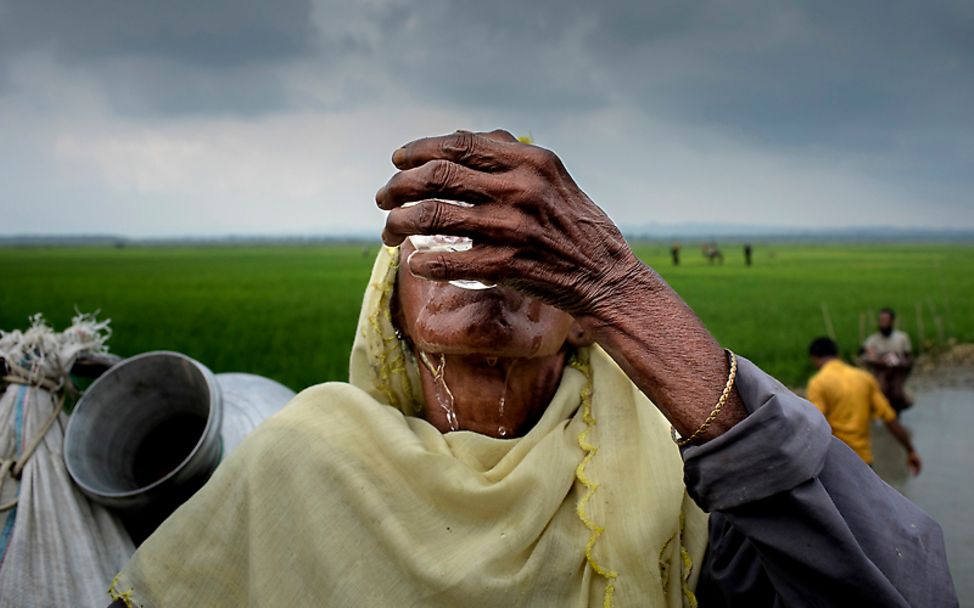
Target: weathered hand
point(533, 228)
point(536, 231)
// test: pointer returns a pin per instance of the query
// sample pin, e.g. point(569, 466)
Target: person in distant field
point(675, 254)
point(850, 398)
point(712, 252)
point(888, 354)
point(747, 254)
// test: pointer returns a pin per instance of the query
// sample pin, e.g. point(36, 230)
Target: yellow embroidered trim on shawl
point(686, 566)
point(687, 569)
point(392, 360)
point(664, 564)
point(596, 530)
point(125, 596)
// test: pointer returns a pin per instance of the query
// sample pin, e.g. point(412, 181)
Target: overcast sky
point(191, 117)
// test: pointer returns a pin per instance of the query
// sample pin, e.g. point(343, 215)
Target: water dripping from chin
point(441, 391)
point(502, 431)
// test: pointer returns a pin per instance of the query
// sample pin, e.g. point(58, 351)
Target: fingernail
point(380, 195)
point(399, 156)
point(409, 267)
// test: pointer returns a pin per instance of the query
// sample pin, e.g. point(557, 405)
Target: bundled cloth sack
point(56, 547)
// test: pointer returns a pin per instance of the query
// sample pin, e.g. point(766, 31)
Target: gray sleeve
point(797, 519)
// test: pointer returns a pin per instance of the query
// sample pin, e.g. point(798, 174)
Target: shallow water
point(942, 422)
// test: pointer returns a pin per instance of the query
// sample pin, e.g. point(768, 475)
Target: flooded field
point(942, 422)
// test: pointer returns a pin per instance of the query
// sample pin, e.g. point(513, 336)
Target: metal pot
point(149, 432)
point(147, 429)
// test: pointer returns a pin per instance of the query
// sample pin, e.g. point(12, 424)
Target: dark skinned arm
point(899, 432)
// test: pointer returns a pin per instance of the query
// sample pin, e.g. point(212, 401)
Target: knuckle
point(438, 267)
point(460, 146)
point(430, 214)
point(503, 135)
point(507, 263)
point(441, 174)
point(542, 158)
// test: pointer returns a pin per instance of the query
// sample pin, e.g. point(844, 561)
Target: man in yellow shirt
point(850, 398)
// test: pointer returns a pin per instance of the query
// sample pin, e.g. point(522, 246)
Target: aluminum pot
point(148, 433)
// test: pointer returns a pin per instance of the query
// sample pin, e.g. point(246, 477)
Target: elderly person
point(518, 446)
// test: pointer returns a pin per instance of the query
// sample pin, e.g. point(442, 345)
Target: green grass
point(288, 312)
point(772, 310)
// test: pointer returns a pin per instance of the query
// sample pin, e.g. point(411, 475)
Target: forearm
point(900, 434)
point(665, 349)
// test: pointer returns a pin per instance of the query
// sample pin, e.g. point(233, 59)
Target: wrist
point(624, 289)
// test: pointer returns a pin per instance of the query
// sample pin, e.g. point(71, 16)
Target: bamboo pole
point(921, 339)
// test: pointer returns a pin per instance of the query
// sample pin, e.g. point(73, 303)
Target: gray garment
point(797, 519)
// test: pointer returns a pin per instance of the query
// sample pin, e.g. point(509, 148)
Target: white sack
point(56, 547)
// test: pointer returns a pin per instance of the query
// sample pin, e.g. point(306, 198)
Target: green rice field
point(289, 312)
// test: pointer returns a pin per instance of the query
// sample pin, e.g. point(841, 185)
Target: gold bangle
point(716, 411)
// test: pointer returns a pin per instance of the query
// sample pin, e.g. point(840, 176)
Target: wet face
point(498, 322)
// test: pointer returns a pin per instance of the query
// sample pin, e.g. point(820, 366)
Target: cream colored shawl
point(342, 500)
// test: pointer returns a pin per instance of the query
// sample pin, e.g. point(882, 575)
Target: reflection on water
point(942, 422)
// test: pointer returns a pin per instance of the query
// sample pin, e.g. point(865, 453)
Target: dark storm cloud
point(859, 70)
point(888, 83)
point(817, 73)
point(527, 57)
point(781, 72)
point(173, 57)
point(207, 33)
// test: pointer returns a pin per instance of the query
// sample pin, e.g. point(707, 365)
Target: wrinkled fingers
point(487, 264)
point(440, 179)
point(480, 223)
point(489, 152)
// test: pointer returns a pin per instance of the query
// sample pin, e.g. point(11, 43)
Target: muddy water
point(942, 422)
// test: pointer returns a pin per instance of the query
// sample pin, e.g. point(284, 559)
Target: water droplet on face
point(501, 430)
point(442, 392)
